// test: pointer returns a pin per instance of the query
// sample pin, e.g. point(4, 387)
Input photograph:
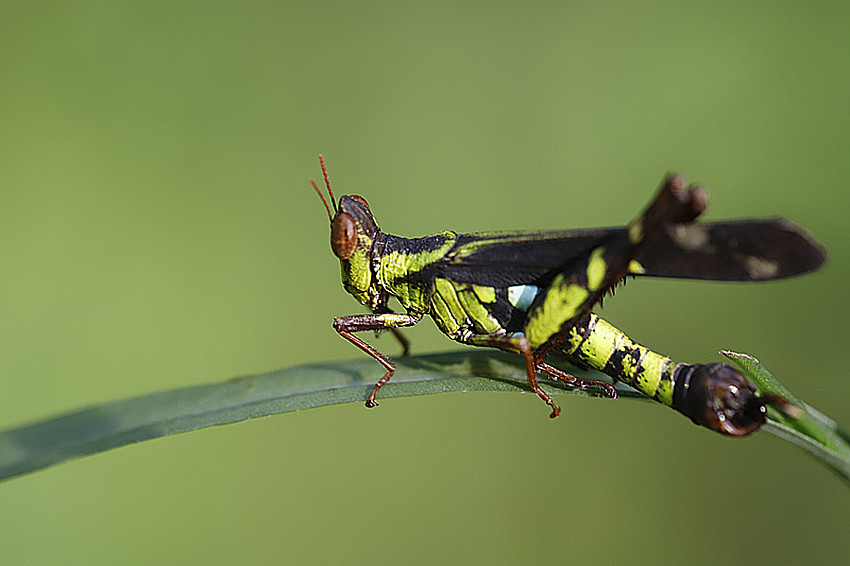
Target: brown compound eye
point(343, 236)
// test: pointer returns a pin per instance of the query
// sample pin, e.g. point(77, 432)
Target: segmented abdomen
point(599, 345)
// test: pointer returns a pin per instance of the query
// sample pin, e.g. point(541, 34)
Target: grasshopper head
point(353, 231)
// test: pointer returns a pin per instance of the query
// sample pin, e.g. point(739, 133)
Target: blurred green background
point(157, 230)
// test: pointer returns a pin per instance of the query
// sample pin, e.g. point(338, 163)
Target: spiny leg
point(573, 292)
point(573, 381)
point(346, 325)
point(517, 344)
point(378, 356)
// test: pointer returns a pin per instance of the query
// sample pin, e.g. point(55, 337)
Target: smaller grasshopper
point(531, 293)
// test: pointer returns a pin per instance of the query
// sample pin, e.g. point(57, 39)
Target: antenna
point(328, 185)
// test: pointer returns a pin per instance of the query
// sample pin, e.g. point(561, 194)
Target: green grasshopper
point(531, 293)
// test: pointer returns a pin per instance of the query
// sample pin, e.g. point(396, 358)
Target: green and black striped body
point(472, 313)
point(532, 293)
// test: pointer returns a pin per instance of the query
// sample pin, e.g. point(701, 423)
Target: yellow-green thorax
point(406, 267)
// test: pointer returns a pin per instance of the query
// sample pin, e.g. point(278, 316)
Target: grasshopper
point(532, 293)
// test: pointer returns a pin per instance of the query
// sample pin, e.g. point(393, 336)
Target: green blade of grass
point(814, 432)
point(113, 424)
point(117, 423)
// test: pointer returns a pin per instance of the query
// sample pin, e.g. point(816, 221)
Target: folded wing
point(741, 250)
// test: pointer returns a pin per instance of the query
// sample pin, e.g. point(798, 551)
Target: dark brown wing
point(741, 250)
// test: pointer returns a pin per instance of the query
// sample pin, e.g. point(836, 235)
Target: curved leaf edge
point(127, 421)
point(814, 432)
point(117, 423)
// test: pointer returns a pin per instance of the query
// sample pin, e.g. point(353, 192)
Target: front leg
point(346, 325)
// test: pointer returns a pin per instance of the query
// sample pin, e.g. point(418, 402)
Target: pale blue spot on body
point(521, 296)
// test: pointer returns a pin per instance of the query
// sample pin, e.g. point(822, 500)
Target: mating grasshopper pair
point(532, 293)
